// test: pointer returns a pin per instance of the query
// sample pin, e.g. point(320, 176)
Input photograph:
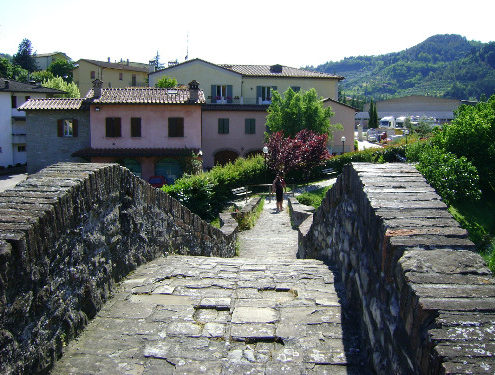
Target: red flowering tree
point(303, 152)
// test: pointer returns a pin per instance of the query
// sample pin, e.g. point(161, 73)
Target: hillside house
point(237, 97)
point(112, 74)
point(43, 60)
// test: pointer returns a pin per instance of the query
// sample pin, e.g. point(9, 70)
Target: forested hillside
point(442, 65)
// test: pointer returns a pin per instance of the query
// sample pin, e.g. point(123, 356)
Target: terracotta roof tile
point(136, 67)
point(9, 85)
point(52, 104)
point(272, 71)
point(144, 95)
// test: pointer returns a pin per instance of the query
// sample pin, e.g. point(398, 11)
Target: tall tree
point(373, 121)
point(295, 111)
point(24, 56)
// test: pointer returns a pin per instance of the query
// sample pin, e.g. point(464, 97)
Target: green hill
point(442, 65)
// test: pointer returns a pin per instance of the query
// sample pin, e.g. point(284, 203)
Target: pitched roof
point(136, 67)
point(192, 61)
point(262, 70)
point(50, 54)
point(144, 95)
point(52, 104)
point(8, 85)
point(277, 71)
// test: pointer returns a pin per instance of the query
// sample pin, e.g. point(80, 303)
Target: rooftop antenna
point(187, 47)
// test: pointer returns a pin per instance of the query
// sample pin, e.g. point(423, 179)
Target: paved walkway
point(263, 312)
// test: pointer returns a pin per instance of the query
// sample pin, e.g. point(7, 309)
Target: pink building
point(231, 131)
point(152, 131)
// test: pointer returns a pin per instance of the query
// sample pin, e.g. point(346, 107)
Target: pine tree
point(373, 121)
point(24, 56)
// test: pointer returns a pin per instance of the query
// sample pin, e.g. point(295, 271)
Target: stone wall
point(426, 301)
point(45, 147)
point(67, 234)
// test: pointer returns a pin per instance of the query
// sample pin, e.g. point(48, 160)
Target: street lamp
point(343, 141)
point(265, 153)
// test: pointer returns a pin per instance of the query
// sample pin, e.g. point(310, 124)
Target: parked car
point(157, 181)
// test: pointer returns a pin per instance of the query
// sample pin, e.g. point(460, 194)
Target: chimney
point(6, 84)
point(109, 59)
point(193, 91)
point(97, 84)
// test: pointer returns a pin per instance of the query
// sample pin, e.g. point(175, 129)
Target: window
point(250, 126)
point(27, 98)
point(136, 127)
point(220, 93)
point(67, 128)
point(264, 93)
point(13, 100)
point(176, 127)
point(112, 127)
point(223, 126)
point(21, 148)
point(121, 76)
point(296, 88)
point(134, 80)
point(93, 74)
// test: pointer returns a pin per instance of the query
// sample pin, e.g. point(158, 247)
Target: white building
point(13, 122)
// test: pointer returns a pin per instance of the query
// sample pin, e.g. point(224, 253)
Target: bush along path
point(264, 312)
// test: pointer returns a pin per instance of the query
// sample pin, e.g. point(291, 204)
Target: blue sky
point(293, 33)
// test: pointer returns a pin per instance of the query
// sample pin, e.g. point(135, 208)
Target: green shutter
point(258, 93)
point(213, 93)
point(229, 94)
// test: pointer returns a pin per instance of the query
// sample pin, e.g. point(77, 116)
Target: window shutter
point(117, 127)
point(75, 129)
point(60, 128)
point(213, 93)
point(108, 127)
point(229, 93)
point(258, 93)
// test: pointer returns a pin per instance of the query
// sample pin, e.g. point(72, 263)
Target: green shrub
point(207, 193)
point(313, 198)
point(454, 179)
point(415, 150)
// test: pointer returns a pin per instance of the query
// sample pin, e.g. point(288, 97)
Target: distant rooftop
point(145, 95)
point(122, 65)
point(52, 104)
point(8, 85)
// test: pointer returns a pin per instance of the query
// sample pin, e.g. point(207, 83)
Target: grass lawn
point(313, 198)
point(479, 220)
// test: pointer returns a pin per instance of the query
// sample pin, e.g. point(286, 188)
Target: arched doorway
point(224, 157)
point(168, 168)
point(133, 165)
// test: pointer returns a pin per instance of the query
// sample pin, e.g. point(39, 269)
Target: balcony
point(237, 100)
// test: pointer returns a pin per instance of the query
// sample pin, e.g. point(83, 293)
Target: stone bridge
point(393, 288)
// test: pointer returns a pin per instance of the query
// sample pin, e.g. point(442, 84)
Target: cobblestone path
point(264, 312)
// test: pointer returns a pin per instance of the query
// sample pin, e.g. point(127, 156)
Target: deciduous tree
point(166, 82)
point(62, 68)
point(295, 111)
point(58, 83)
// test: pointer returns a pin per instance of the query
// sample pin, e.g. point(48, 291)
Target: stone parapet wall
point(67, 234)
point(426, 301)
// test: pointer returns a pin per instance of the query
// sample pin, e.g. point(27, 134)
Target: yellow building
point(248, 84)
point(113, 75)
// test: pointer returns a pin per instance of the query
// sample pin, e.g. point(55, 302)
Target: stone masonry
point(67, 234)
point(264, 312)
point(426, 301)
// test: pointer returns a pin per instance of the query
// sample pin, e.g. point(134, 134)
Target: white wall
point(5, 129)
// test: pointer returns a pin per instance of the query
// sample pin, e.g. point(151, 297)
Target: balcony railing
point(236, 100)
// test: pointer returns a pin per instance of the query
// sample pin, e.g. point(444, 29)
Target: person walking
point(279, 187)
